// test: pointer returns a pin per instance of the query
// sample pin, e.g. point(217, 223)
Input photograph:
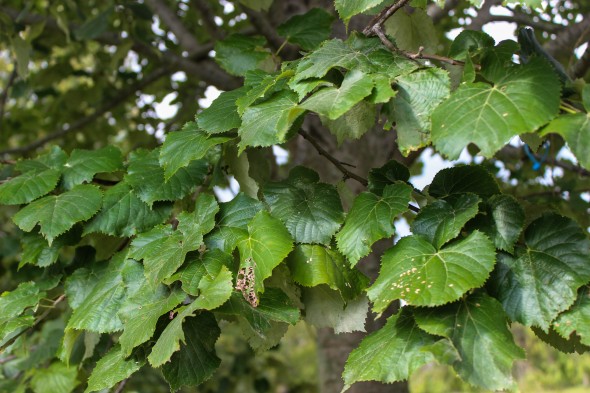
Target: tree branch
point(4, 96)
point(185, 37)
point(208, 18)
point(483, 15)
point(523, 19)
point(564, 42)
point(122, 96)
point(377, 22)
point(121, 385)
point(348, 174)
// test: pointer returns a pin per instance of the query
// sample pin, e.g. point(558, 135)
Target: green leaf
point(418, 94)
point(543, 277)
point(58, 213)
point(169, 340)
point(274, 306)
point(412, 30)
point(142, 311)
point(443, 220)
point(95, 26)
point(163, 250)
point(354, 123)
point(36, 251)
point(28, 186)
point(389, 173)
point(370, 219)
point(10, 327)
point(124, 214)
point(503, 222)
point(570, 345)
point(206, 267)
point(84, 164)
point(462, 179)
point(56, 158)
point(334, 102)
point(196, 361)
point(222, 115)
point(576, 320)
point(232, 222)
point(349, 8)
point(13, 303)
point(111, 369)
point(146, 176)
point(478, 329)
point(390, 354)
point(239, 53)
point(267, 123)
point(57, 378)
point(239, 167)
point(266, 245)
point(262, 85)
point(489, 116)
point(413, 270)
point(183, 147)
point(311, 211)
point(22, 51)
point(325, 307)
point(574, 128)
point(470, 42)
point(312, 265)
point(308, 30)
point(104, 292)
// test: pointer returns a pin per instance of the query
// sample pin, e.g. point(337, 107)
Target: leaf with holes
point(311, 211)
point(370, 219)
point(421, 275)
point(58, 213)
point(267, 243)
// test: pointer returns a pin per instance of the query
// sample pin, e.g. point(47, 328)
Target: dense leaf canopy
point(122, 241)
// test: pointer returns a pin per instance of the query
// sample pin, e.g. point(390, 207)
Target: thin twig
point(348, 174)
point(55, 302)
point(121, 385)
point(377, 21)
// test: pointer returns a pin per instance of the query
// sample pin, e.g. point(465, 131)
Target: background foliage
point(123, 265)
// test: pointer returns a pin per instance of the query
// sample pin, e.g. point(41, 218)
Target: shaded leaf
point(470, 42)
point(543, 277)
point(354, 123)
point(462, 179)
point(412, 30)
point(146, 176)
point(390, 354)
point(477, 327)
point(240, 53)
point(389, 173)
point(311, 211)
point(503, 222)
point(443, 220)
point(370, 219)
point(196, 361)
point(308, 30)
point(57, 378)
point(312, 265)
point(325, 307)
point(182, 147)
point(575, 129)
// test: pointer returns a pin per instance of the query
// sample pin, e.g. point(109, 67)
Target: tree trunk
point(373, 150)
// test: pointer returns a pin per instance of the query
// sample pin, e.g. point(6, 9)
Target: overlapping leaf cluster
point(175, 256)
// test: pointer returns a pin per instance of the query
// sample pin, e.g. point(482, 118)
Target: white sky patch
point(226, 194)
point(434, 162)
point(281, 155)
point(164, 110)
point(211, 93)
